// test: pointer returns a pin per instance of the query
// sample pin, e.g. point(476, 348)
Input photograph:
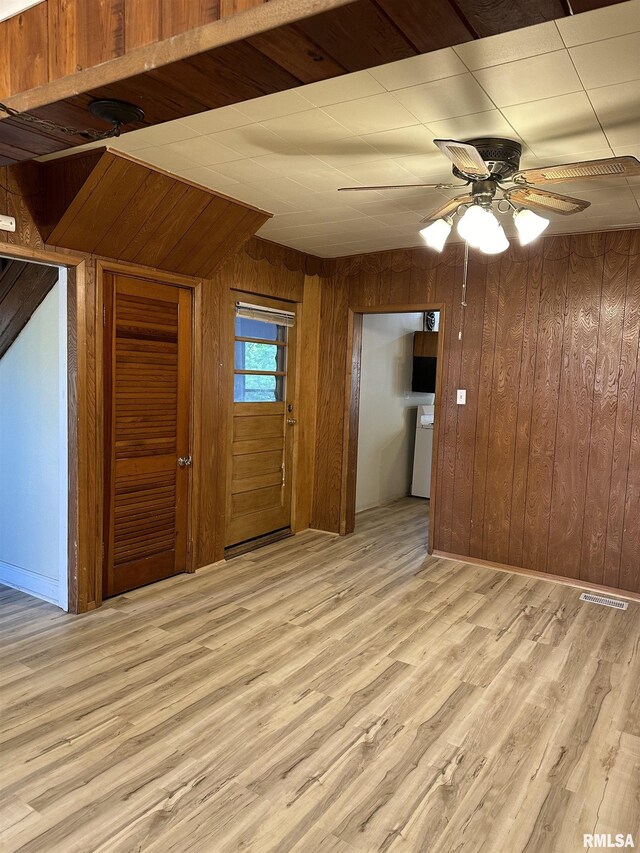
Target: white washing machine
point(421, 483)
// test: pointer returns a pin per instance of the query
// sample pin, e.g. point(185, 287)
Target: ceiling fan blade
point(466, 158)
point(447, 208)
point(402, 187)
point(535, 197)
point(623, 167)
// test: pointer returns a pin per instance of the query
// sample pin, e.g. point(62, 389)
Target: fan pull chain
point(463, 303)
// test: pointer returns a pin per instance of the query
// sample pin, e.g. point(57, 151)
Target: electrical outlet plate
point(7, 223)
point(462, 397)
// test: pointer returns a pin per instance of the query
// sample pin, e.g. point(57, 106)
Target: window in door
point(260, 360)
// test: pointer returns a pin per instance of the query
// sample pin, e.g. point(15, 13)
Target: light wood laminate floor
point(323, 694)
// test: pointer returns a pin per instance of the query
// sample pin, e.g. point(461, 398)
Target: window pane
point(249, 388)
point(252, 356)
point(246, 328)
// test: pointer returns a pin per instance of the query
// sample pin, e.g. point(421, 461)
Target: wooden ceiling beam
point(140, 60)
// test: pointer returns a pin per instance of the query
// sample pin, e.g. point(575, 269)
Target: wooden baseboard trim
point(544, 576)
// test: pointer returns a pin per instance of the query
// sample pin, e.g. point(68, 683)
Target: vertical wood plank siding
point(541, 468)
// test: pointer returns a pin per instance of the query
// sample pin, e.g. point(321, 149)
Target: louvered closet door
point(148, 401)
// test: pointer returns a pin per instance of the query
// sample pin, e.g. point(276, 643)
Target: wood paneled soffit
point(106, 203)
point(272, 47)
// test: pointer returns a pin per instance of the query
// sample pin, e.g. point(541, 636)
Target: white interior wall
point(388, 408)
point(33, 453)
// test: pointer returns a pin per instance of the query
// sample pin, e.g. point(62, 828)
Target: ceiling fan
point(490, 168)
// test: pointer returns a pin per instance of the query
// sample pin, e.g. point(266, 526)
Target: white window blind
point(265, 315)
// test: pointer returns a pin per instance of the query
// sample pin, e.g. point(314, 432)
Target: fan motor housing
point(502, 156)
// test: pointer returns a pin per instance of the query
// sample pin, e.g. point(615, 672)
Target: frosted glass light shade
point(435, 235)
point(529, 225)
point(476, 224)
point(494, 241)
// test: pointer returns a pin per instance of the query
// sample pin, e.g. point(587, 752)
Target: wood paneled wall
point(60, 37)
point(541, 468)
point(259, 267)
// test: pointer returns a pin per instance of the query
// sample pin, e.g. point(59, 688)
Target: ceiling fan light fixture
point(494, 241)
point(529, 225)
point(476, 225)
point(436, 234)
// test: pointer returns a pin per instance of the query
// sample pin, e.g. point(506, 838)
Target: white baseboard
point(26, 581)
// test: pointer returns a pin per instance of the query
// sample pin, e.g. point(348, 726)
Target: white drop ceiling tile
point(530, 161)
point(565, 125)
point(345, 152)
point(619, 205)
point(201, 151)
point(308, 127)
point(283, 188)
point(488, 123)
point(621, 220)
point(315, 217)
point(128, 142)
point(375, 207)
point(448, 98)
point(328, 200)
point(618, 109)
point(531, 79)
point(610, 196)
point(251, 140)
point(603, 63)
point(419, 69)
point(632, 150)
point(369, 115)
point(289, 163)
point(378, 172)
point(209, 178)
point(599, 24)
point(511, 46)
point(321, 180)
point(159, 134)
point(250, 194)
point(346, 88)
point(430, 168)
point(171, 161)
point(275, 105)
point(213, 121)
point(402, 217)
point(402, 141)
point(245, 171)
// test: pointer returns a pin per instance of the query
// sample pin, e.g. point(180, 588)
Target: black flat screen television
point(424, 374)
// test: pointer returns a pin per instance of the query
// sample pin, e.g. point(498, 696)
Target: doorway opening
point(34, 439)
point(391, 423)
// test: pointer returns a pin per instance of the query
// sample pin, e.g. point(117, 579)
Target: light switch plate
point(7, 223)
point(462, 397)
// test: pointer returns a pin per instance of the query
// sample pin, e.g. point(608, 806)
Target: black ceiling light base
point(117, 113)
point(502, 156)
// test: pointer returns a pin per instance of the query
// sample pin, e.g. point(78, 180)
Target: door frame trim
point(352, 407)
point(108, 267)
point(78, 460)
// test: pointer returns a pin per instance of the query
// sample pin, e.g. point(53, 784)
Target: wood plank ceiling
point(361, 35)
point(94, 202)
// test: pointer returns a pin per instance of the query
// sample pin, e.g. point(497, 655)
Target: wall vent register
point(604, 600)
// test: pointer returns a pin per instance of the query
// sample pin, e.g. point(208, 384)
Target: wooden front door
point(260, 477)
point(147, 388)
